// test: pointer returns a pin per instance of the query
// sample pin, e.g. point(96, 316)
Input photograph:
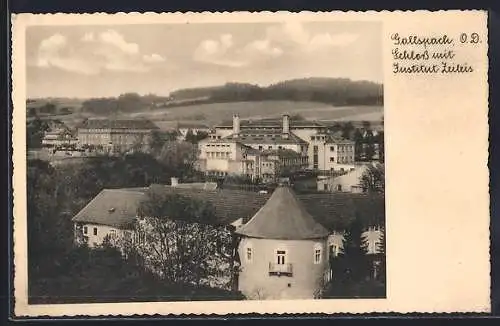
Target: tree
point(381, 146)
point(381, 245)
point(373, 179)
point(369, 144)
point(179, 157)
point(179, 239)
point(358, 145)
point(353, 260)
point(347, 129)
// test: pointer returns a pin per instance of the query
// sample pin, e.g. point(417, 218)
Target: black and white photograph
point(205, 162)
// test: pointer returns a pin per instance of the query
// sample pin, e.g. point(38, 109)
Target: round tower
point(282, 251)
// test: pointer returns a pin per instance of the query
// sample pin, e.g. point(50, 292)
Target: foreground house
point(284, 241)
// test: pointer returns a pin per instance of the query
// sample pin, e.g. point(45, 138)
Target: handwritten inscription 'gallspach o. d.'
point(415, 54)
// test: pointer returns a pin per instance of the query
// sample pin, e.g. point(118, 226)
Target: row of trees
point(336, 91)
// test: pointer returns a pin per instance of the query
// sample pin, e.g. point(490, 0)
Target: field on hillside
point(210, 114)
point(217, 112)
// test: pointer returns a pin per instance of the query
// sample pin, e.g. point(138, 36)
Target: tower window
point(280, 257)
point(249, 254)
point(317, 253)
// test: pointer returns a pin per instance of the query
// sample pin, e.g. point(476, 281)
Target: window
point(85, 230)
point(339, 187)
point(332, 148)
point(269, 147)
point(249, 254)
point(95, 231)
point(334, 250)
point(113, 234)
point(280, 257)
point(317, 253)
point(280, 147)
point(260, 148)
point(332, 159)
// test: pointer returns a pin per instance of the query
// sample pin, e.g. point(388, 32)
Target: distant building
point(115, 135)
point(58, 138)
point(349, 182)
point(184, 128)
point(324, 152)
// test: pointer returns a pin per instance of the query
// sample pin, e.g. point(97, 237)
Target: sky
point(104, 61)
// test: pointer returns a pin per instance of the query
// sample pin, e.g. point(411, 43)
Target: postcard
point(235, 163)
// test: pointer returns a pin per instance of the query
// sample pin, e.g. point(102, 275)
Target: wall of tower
point(306, 279)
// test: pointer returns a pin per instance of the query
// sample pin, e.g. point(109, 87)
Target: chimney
point(236, 124)
point(174, 181)
point(286, 124)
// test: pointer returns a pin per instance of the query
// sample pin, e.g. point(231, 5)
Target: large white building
point(317, 149)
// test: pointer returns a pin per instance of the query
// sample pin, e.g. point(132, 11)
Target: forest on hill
point(330, 91)
point(335, 91)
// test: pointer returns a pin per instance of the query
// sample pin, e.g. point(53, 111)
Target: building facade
point(311, 139)
point(115, 135)
point(349, 182)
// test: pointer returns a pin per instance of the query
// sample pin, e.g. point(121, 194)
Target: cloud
point(153, 58)
point(294, 36)
point(93, 53)
point(216, 51)
point(263, 47)
point(222, 52)
point(116, 39)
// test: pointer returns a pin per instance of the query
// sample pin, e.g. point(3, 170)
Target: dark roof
point(259, 136)
point(118, 124)
point(270, 123)
point(284, 152)
point(333, 210)
point(283, 217)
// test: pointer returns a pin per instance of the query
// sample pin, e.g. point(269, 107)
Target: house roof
point(259, 136)
point(284, 152)
point(113, 207)
point(117, 124)
point(271, 123)
point(333, 210)
point(283, 217)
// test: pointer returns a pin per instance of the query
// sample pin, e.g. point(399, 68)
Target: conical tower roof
point(283, 217)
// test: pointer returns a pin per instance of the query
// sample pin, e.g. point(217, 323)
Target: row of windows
point(281, 255)
point(218, 154)
point(342, 148)
point(343, 159)
point(217, 145)
point(86, 230)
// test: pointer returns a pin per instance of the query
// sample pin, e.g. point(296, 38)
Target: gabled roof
point(113, 207)
point(272, 123)
point(118, 124)
point(283, 217)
